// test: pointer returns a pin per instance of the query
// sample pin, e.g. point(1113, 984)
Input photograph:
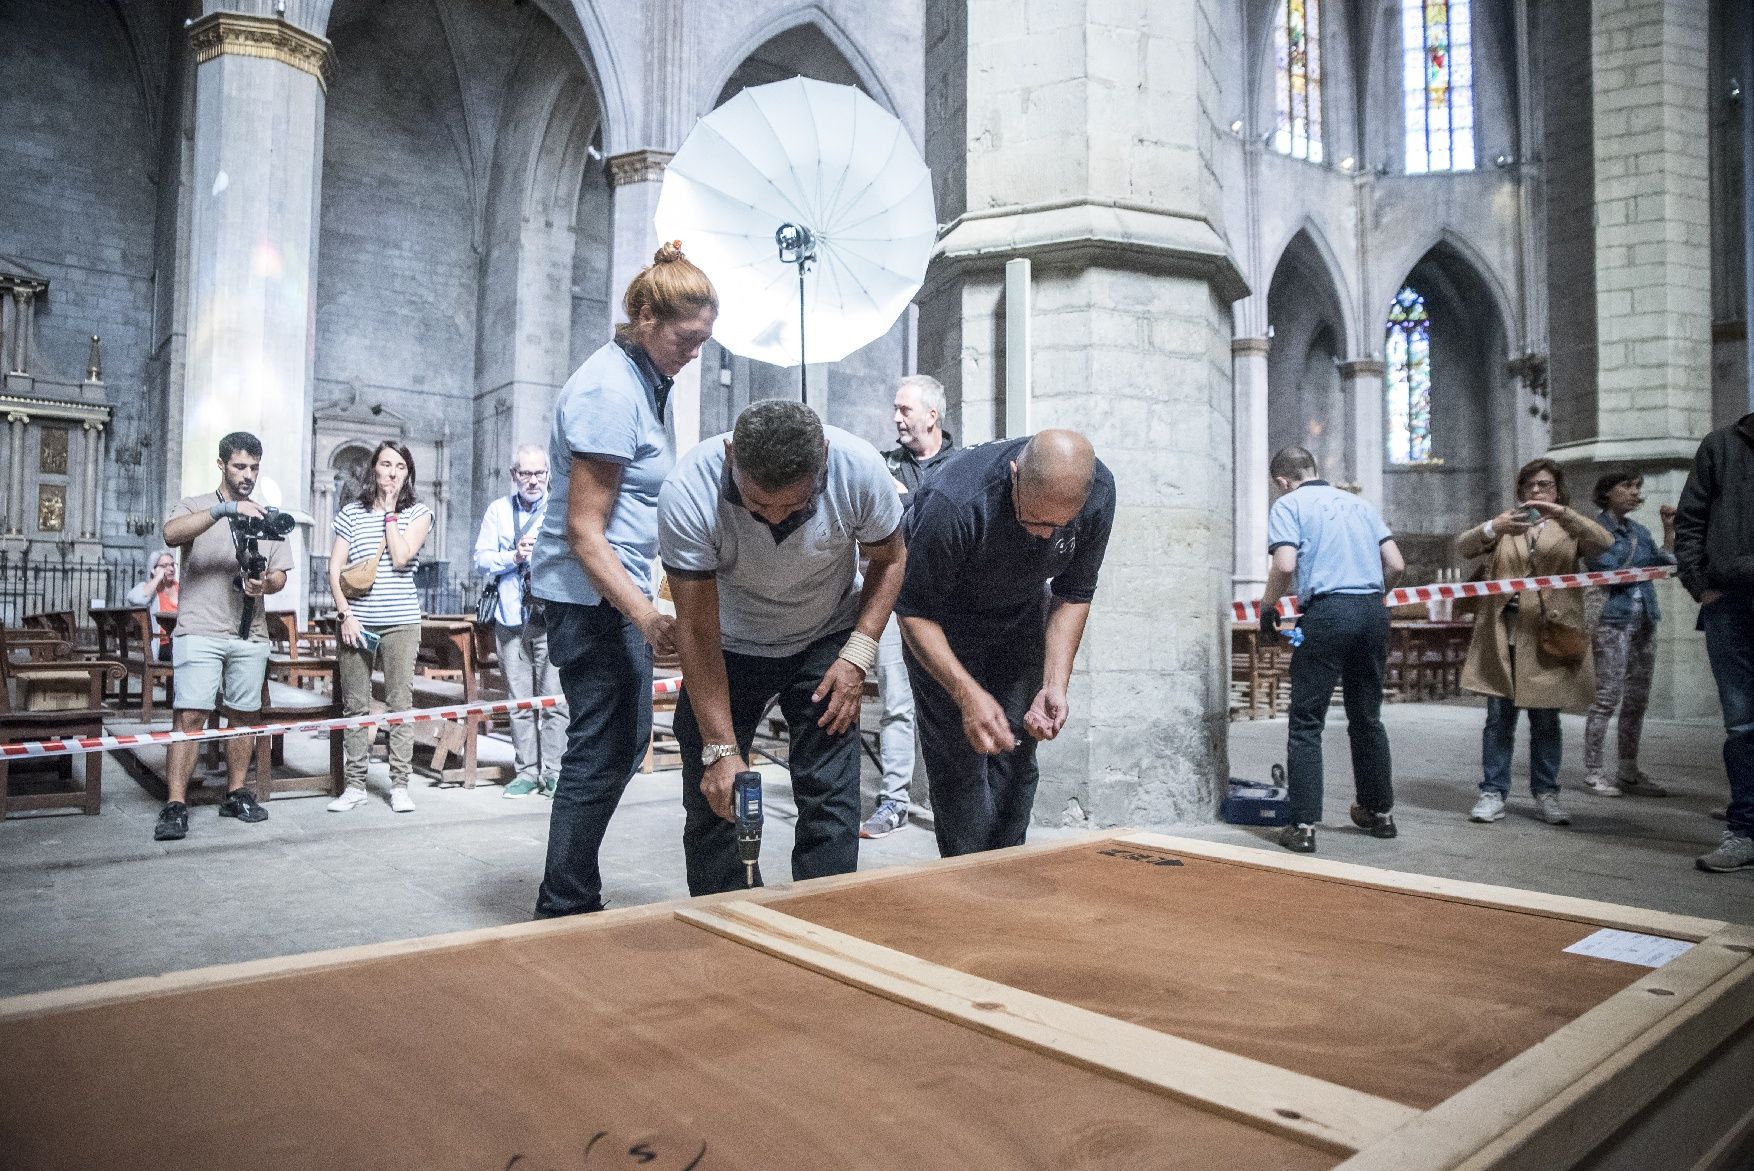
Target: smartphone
point(1533, 515)
point(371, 641)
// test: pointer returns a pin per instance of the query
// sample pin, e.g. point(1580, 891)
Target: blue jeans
point(605, 669)
point(1498, 740)
point(1729, 642)
point(1345, 641)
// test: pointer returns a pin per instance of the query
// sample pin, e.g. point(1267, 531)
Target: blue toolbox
point(1254, 803)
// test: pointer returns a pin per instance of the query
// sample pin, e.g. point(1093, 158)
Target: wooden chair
point(302, 658)
point(447, 672)
point(55, 723)
point(285, 703)
point(143, 660)
point(59, 623)
point(662, 750)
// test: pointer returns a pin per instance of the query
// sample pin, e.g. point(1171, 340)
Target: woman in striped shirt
point(386, 522)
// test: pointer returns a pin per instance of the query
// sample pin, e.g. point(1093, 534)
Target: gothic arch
point(1467, 265)
point(1307, 401)
point(1309, 235)
point(809, 19)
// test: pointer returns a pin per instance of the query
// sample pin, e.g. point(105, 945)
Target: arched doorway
point(1307, 403)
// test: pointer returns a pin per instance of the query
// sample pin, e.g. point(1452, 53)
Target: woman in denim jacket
point(1625, 636)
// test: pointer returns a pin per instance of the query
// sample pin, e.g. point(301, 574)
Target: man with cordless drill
point(761, 532)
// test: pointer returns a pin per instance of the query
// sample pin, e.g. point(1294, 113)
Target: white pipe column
point(1248, 364)
point(1017, 360)
point(1363, 380)
point(256, 185)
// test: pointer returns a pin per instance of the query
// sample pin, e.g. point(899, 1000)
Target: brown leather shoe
point(1377, 825)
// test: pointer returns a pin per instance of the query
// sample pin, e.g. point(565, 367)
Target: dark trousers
point(824, 768)
point(1345, 641)
point(1729, 642)
point(606, 674)
point(980, 802)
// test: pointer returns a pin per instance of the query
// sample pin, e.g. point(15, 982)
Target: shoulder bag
point(1559, 642)
point(487, 605)
point(359, 576)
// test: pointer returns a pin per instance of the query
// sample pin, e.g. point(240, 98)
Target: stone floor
point(90, 899)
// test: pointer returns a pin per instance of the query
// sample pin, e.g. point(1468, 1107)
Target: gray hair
point(931, 392)
point(778, 443)
point(153, 564)
point(529, 449)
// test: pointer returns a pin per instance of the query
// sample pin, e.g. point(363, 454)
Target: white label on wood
point(1630, 947)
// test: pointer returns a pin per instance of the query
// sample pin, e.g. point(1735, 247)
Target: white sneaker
point(400, 801)
point(1490, 806)
point(351, 797)
point(1551, 811)
point(1601, 786)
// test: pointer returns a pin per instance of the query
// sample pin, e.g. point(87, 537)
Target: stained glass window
point(1297, 46)
point(1437, 85)
point(1407, 362)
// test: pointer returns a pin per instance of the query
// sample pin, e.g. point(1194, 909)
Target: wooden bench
point(17, 723)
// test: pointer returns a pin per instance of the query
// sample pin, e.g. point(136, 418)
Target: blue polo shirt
point(978, 573)
point(1338, 537)
point(610, 409)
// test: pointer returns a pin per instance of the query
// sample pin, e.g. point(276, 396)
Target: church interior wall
point(1730, 29)
point(1568, 164)
point(78, 180)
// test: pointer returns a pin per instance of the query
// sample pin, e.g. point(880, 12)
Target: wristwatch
point(711, 754)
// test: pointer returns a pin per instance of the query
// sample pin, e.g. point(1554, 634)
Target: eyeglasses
point(1542, 484)
point(520, 474)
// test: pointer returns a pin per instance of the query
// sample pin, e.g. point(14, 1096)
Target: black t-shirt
point(973, 569)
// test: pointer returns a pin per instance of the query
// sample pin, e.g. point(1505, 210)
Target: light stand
point(798, 246)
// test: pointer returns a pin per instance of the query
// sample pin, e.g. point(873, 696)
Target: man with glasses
point(990, 642)
point(502, 553)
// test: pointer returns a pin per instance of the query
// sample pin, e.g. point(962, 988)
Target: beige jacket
point(1539, 682)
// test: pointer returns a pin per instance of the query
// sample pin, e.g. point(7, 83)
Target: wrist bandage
point(860, 650)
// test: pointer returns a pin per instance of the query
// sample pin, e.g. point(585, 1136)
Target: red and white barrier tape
point(82, 744)
point(1251, 611)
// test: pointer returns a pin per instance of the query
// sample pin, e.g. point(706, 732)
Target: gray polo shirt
point(780, 587)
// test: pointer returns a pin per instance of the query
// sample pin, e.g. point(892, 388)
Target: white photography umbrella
point(794, 177)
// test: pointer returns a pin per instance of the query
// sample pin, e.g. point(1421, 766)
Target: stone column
point(94, 454)
point(16, 423)
point(1118, 206)
point(1363, 382)
point(252, 247)
point(1248, 365)
point(1649, 65)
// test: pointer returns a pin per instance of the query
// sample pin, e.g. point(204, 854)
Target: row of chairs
point(1424, 663)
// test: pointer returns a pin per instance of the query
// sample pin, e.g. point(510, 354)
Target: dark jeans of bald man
point(980, 802)
point(1345, 641)
point(824, 768)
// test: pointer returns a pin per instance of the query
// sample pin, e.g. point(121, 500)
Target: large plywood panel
point(1399, 995)
point(647, 1043)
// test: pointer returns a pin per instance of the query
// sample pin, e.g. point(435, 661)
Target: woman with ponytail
point(608, 452)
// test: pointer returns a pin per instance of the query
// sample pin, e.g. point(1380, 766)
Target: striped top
point(392, 600)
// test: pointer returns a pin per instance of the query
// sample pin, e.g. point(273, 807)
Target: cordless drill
point(746, 797)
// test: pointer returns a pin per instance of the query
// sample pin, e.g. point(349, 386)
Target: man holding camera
point(215, 653)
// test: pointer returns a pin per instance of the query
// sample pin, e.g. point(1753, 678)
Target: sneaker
point(1377, 825)
point(1553, 813)
point(1733, 853)
point(548, 784)
point(1636, 783)
point(242, 804)
point(888, 817)
point(1299, 839)
point(1601, 786)
point(520, 787)
point(400, 801)
point(352, 797)
point(173, 823)
point(1490, 806)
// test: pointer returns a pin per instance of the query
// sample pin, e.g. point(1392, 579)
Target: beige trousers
point(396, 653)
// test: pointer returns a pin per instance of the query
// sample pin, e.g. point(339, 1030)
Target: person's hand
point(1710, 596)
point(254, 587)
point(843, 686)
point(1047, 715)
point(715, 785)
point(984, 723)
point(1547, 508)
point(526, 546)
point(251, 508)
point(659, 631)
point(1667, 513)
point(1510, 522)
point(1269, 622)
point(352, 633)
point(899, 486)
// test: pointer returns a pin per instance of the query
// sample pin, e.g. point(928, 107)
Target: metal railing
point(46, 584)
point(439, 592)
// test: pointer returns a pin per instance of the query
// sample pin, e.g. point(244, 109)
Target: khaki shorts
point(205, 666)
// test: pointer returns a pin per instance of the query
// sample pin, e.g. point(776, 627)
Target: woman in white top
point(384, 522)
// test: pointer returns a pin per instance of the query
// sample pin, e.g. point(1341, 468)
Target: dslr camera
point(246, 531)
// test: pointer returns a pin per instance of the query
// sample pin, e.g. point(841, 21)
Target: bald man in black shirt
point(990, 642)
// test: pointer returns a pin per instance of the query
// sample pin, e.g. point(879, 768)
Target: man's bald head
point(1053, 476)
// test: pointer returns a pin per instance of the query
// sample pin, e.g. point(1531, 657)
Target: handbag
point(357, 579)
point(1561, 642)
point(487, 605)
